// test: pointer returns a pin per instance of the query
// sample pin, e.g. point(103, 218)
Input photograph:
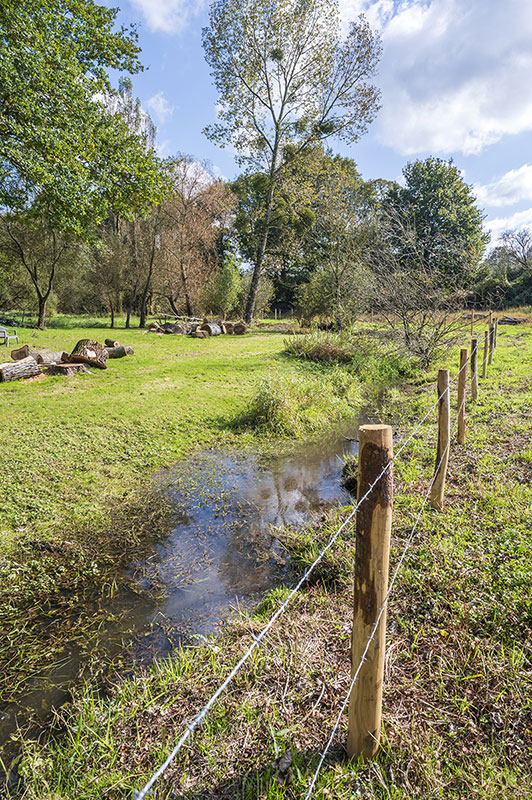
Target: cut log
point(49, 357)
point(116, 352)
point(66, 370)
point(88, 351)
point(27, 360)
point(16, 370)
point(212, 328)
point(199, 334)
point(240, 328)
point(111, 343)
point(20, 352)
point(154, 328)
point(227, 327)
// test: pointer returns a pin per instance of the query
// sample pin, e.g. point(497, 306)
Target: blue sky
point(455, 76)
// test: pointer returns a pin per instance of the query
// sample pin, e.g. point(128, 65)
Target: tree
point(334, 245)
point(441, 208)
point(417, 296)
point(65, 154)
point(193, 217)
point(41, 250)
point(285, 77)
point(224, 288)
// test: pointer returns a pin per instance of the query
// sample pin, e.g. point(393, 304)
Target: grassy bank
point(457, 709)
point(79, 456)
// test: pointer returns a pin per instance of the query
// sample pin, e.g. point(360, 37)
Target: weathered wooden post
point(474, 369)
point(275, 312)
point(492, 344)
point(491, 318)
point(462, 383)
point(373, 530)
point(472, 320)
point(486, 349)
point(495, 331)
point(444, 440)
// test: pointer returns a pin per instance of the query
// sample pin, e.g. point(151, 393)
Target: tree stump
point(66, 370)
point(87, 351)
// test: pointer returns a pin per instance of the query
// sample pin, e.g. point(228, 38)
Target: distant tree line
point(92, 220)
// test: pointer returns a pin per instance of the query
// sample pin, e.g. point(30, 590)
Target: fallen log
point(240, 328)
point(66, 370)
point(227, 327)
point(506, 320)
point(88, 351)
point(212, 328)
point(15, 370)
point(111, 343)
point(199, 334)
point(28, 360)
point(49, 356)
point(119, 351)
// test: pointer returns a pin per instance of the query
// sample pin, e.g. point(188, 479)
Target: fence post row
point(491, 343)
point(373, 531)
point(474, 369)
point(444, 436)
point(462, 383)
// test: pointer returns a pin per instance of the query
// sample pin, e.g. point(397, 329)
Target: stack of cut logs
point(199, 330)
point(28, 363)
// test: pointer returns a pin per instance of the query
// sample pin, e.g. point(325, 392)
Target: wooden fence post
point(373, 530)
point(444, 440)
point(474, 369)
point(491, 318)
point(495, 331)
point(486, 348)
point(462, 383)
point(492, 344)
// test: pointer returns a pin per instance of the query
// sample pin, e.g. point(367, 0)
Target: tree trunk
point(112, 316)
point(250, 306)
point(42, 311)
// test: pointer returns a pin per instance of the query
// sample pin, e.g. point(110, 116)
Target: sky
point(455, 78)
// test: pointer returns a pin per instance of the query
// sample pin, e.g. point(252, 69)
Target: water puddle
point(222, 554)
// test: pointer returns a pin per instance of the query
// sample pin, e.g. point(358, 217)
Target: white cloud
point(521, 219)
point(454, 75)
point(513, 187)
point(169, 16)
point(160, 107)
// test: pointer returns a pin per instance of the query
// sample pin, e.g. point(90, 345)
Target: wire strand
point(381, 612)
point(198, 719)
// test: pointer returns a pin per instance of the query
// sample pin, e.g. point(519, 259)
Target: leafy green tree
point(334, 246)
point(440, 207)
point(225, 287)
point(286, 78)
point(65, 153)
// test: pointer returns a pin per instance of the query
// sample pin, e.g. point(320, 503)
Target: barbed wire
point(198, 719)
point(406, 548)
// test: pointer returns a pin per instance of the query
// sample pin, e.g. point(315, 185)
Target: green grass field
point(68, 444)
point(457, 707)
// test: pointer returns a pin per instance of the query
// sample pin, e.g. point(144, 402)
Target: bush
point(299, 406)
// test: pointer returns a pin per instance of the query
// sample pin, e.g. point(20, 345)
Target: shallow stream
point(222, 554)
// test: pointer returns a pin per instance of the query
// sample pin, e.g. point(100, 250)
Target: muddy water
point(222, 554)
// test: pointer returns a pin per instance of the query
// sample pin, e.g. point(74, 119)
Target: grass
point(457, 710)
point(79, 456)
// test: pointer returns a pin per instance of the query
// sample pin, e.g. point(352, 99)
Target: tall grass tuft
point(299, 406)
point(373, 360)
